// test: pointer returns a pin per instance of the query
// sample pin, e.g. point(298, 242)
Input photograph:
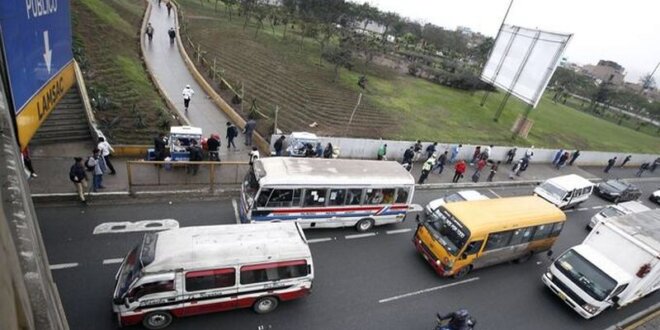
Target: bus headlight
point(590, 308)
point(548, 274)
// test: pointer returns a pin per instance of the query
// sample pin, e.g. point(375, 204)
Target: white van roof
point(570, 182)
point(185, 130)
point(205, 247)
point(633, 207)
point(303, 136)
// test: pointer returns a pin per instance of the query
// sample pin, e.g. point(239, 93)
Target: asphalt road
point(377, 281)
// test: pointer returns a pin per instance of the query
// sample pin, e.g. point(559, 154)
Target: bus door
point(470, 254)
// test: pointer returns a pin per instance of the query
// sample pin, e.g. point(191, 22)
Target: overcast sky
point(627, 32)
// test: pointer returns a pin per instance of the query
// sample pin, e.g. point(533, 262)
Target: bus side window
point(586, 191)
point(473, 247)
point(374, 196)
point(354, 197)
point(336, 197)
point(402, 195)
point(521, 235)
point(264, 195)
point(315, 197)
point(388, 196)
point(280, 197)
point(556, 229)
point(568, 196)
point(498, 240)
point(542, 232)
point(210, 279)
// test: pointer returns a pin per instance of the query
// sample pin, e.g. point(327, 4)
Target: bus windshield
point(588, 277)
point(129, 272)
point(448, 231)
point(250, 187)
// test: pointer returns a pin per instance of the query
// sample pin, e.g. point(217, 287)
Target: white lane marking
point(569, 211)
point(415, 208)
point(598, 207)
point(359, 235)
point(112, 261)
point(494, 193)
point(319, 240)
point(63, 266)
point(406, 295)
point(127, 226)
point(235, 205)
point(398, 231)
point(583, 209)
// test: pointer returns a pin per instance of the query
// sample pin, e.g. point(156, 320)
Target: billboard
point(36, 45)
point(523, 60)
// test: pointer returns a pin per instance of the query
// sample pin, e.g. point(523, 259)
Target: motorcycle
point(459, 320)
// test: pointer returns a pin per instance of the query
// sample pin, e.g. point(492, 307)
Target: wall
point(368, 148)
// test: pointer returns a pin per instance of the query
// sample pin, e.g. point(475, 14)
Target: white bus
point(324, 193)
point(196, 270)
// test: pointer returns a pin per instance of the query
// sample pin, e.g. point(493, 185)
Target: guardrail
point(177, 174)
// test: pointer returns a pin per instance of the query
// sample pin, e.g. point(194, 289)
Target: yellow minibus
point(459, 237)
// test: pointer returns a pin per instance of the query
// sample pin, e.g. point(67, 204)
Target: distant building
point(608, 71)
point(464, 30)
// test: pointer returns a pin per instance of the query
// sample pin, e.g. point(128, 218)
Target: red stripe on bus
point(337, 209)
point(274, 265)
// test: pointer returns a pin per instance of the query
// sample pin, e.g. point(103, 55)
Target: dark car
point(618, 191)
point(655, 197)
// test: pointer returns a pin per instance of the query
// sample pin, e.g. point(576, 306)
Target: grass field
point(278, 73)
point(108, 32)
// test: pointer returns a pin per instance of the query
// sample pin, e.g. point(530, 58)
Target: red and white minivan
point(196, 270)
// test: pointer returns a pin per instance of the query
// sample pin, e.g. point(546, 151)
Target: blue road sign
point(36, 36)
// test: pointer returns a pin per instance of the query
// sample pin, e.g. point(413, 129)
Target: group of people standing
point(98, 163)
point(645, 166)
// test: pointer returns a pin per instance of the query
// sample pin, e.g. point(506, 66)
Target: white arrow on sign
point(48, 52)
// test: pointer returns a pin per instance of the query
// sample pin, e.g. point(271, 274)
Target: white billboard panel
point(523, 61)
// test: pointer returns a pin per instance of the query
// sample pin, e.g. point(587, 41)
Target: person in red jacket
point(460, 169)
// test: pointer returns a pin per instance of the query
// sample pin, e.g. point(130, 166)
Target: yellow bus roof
point(493, 215)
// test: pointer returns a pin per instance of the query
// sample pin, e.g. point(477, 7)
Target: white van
point(617, 210)
point(565, 191)
point(197, 270)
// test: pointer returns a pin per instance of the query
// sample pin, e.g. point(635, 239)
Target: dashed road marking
point(127, 226)
point(112, 261)
point(359, 235)
point(398, 231)
point(410, 294)
point(598, 207)
point(63, 266)
point(583, 209)
point(319, 240)
point(235, 205)
point(494, 193)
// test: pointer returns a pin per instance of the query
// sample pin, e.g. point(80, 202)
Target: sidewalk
point(169, 69)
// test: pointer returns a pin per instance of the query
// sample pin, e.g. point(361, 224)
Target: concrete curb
point(637, 320)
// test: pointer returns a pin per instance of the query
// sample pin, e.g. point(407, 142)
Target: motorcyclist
point(458, 320)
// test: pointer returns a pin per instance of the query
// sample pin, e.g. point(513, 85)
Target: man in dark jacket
point(440, 163)
point(610, 163)
point(279, 145)
point(195, 156)
point(232, 132)
point(408, 155)
point(160, 143)
point(213, 143)
point(78, 176)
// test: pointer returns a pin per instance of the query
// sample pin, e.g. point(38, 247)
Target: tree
point(246, 7)
point(260, 12)
point(647, 82)
point(388, 20)
point(229, 4)
point(340, 57)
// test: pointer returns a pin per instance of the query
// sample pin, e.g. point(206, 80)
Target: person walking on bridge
point(232, 132)
point(187, 95)
point(172, 33)
point(169, 7)
point(149, 31)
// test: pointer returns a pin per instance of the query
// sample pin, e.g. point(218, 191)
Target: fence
point(180, 174)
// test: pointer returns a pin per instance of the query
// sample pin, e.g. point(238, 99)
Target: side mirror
point(464, 256)
point(417, 218)
point(615, 300)
point(127, 302)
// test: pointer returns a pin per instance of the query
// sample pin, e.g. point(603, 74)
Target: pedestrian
point(515, 170)
point(27, 162)
point(529, 153)
point(562, 160)
point(455, 150)
point(149, 31)
point(645, 166)
point(524, 165)
point(160, 144)
point(96, 164)
point(430, 150)
point(327, 153)
point(319, 150)
point(408, 155)
point(475, 155)
point(480, 165)
point(106, 150)
point(172, 33)
point(196, 155)
point(610, 163)
point(574, 156)
point(510, 155)
point(213, 144)
point(426, 169)
point(248, 130)
point(232, 133)
point(656, 162)
point(78, 176)
point(558, 155)
point(254, 155)
point(159, 3)
point(440, 162)
point(279, 145)
point(486, 153)
point(169, 7)
point(459, 170)
point(382, 152)
point(417, 150)
point(187, 95)
point(493, 170)
point(625, 161)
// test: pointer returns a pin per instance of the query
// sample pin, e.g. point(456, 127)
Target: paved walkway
point(168, 67)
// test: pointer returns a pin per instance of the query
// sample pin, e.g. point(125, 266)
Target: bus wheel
point(265, 305)
point(157, 320)
point(364, 225)
point(463, 271)
point(525, 257)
